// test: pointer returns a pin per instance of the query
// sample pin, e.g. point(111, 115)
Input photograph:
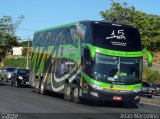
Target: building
point(17, 51)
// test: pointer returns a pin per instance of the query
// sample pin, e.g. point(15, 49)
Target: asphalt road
point(154, 67)
point(26, 101)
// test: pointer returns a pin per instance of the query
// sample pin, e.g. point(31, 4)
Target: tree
point(25, 44)
point(148, 24)
point(7, 39)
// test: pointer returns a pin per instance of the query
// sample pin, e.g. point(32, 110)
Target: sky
point(40, 14)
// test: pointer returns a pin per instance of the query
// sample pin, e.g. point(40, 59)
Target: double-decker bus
point(92, 60)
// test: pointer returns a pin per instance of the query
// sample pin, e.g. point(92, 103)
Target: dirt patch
point(150, 101)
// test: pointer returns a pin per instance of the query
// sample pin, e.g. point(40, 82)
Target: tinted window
point(85, 32)
point(116, 69)
point(23, 71)
point(60, 36)
point(10, 69)
point(122, 38)
point(74, 36)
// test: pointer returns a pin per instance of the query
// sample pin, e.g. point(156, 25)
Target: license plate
point(27, 83)
point(117, 97)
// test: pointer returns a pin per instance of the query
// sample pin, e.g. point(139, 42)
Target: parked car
point(20, 77)
point(156, 89)
point(6, 73)
point(147, 90)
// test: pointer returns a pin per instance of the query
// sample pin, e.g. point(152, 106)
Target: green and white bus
point(91, 60)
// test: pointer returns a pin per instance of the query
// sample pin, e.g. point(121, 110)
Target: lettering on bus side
point(69, 50)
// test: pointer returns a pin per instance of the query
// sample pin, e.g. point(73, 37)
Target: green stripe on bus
point(95, 50)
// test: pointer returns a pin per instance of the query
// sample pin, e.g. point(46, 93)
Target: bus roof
point(74, 23)
point(56, 27)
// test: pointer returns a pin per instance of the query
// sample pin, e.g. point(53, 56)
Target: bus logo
point(120, 35)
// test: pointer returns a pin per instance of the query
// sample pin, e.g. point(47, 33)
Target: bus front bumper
point(112, 95)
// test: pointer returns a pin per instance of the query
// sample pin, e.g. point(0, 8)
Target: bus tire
point(42, 90)
point(149, 96)
point(10, 83)
point(37, 87)
point(36, 90)
point(16, 84)
point(75, 93)
point(67, 92)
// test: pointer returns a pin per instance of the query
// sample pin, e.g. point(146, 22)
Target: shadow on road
point(130, 105)
point(2, 84)
point(25, 86)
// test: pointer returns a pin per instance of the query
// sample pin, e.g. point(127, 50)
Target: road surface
point(26, 101)
point(154, 67)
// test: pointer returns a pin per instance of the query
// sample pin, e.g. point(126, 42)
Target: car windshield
point(23, 72)
point(116, 69)
point(10, 69)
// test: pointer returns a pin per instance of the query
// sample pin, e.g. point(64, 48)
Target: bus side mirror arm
point(149, 64)
point(149, 57)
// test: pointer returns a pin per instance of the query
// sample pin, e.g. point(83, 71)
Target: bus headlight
point(96, 87)
point(20, 77)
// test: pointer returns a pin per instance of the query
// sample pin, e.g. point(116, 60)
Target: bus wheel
point(37, 88)
point(10, 83)
point(67, 92)
point(42, 90)
point(75, 94)
point(16, 84)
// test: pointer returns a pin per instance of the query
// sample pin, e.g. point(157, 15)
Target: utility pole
point(27, 67)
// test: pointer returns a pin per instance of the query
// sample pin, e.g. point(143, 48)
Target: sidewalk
point(150, 101)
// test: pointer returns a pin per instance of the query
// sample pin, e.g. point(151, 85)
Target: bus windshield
point(116, 37)
point(117, 70)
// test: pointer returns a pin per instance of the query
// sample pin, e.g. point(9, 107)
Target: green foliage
point(15, 62)
point(25, 44)
point(150, 75)
point(7, 39)
point(148, 25)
